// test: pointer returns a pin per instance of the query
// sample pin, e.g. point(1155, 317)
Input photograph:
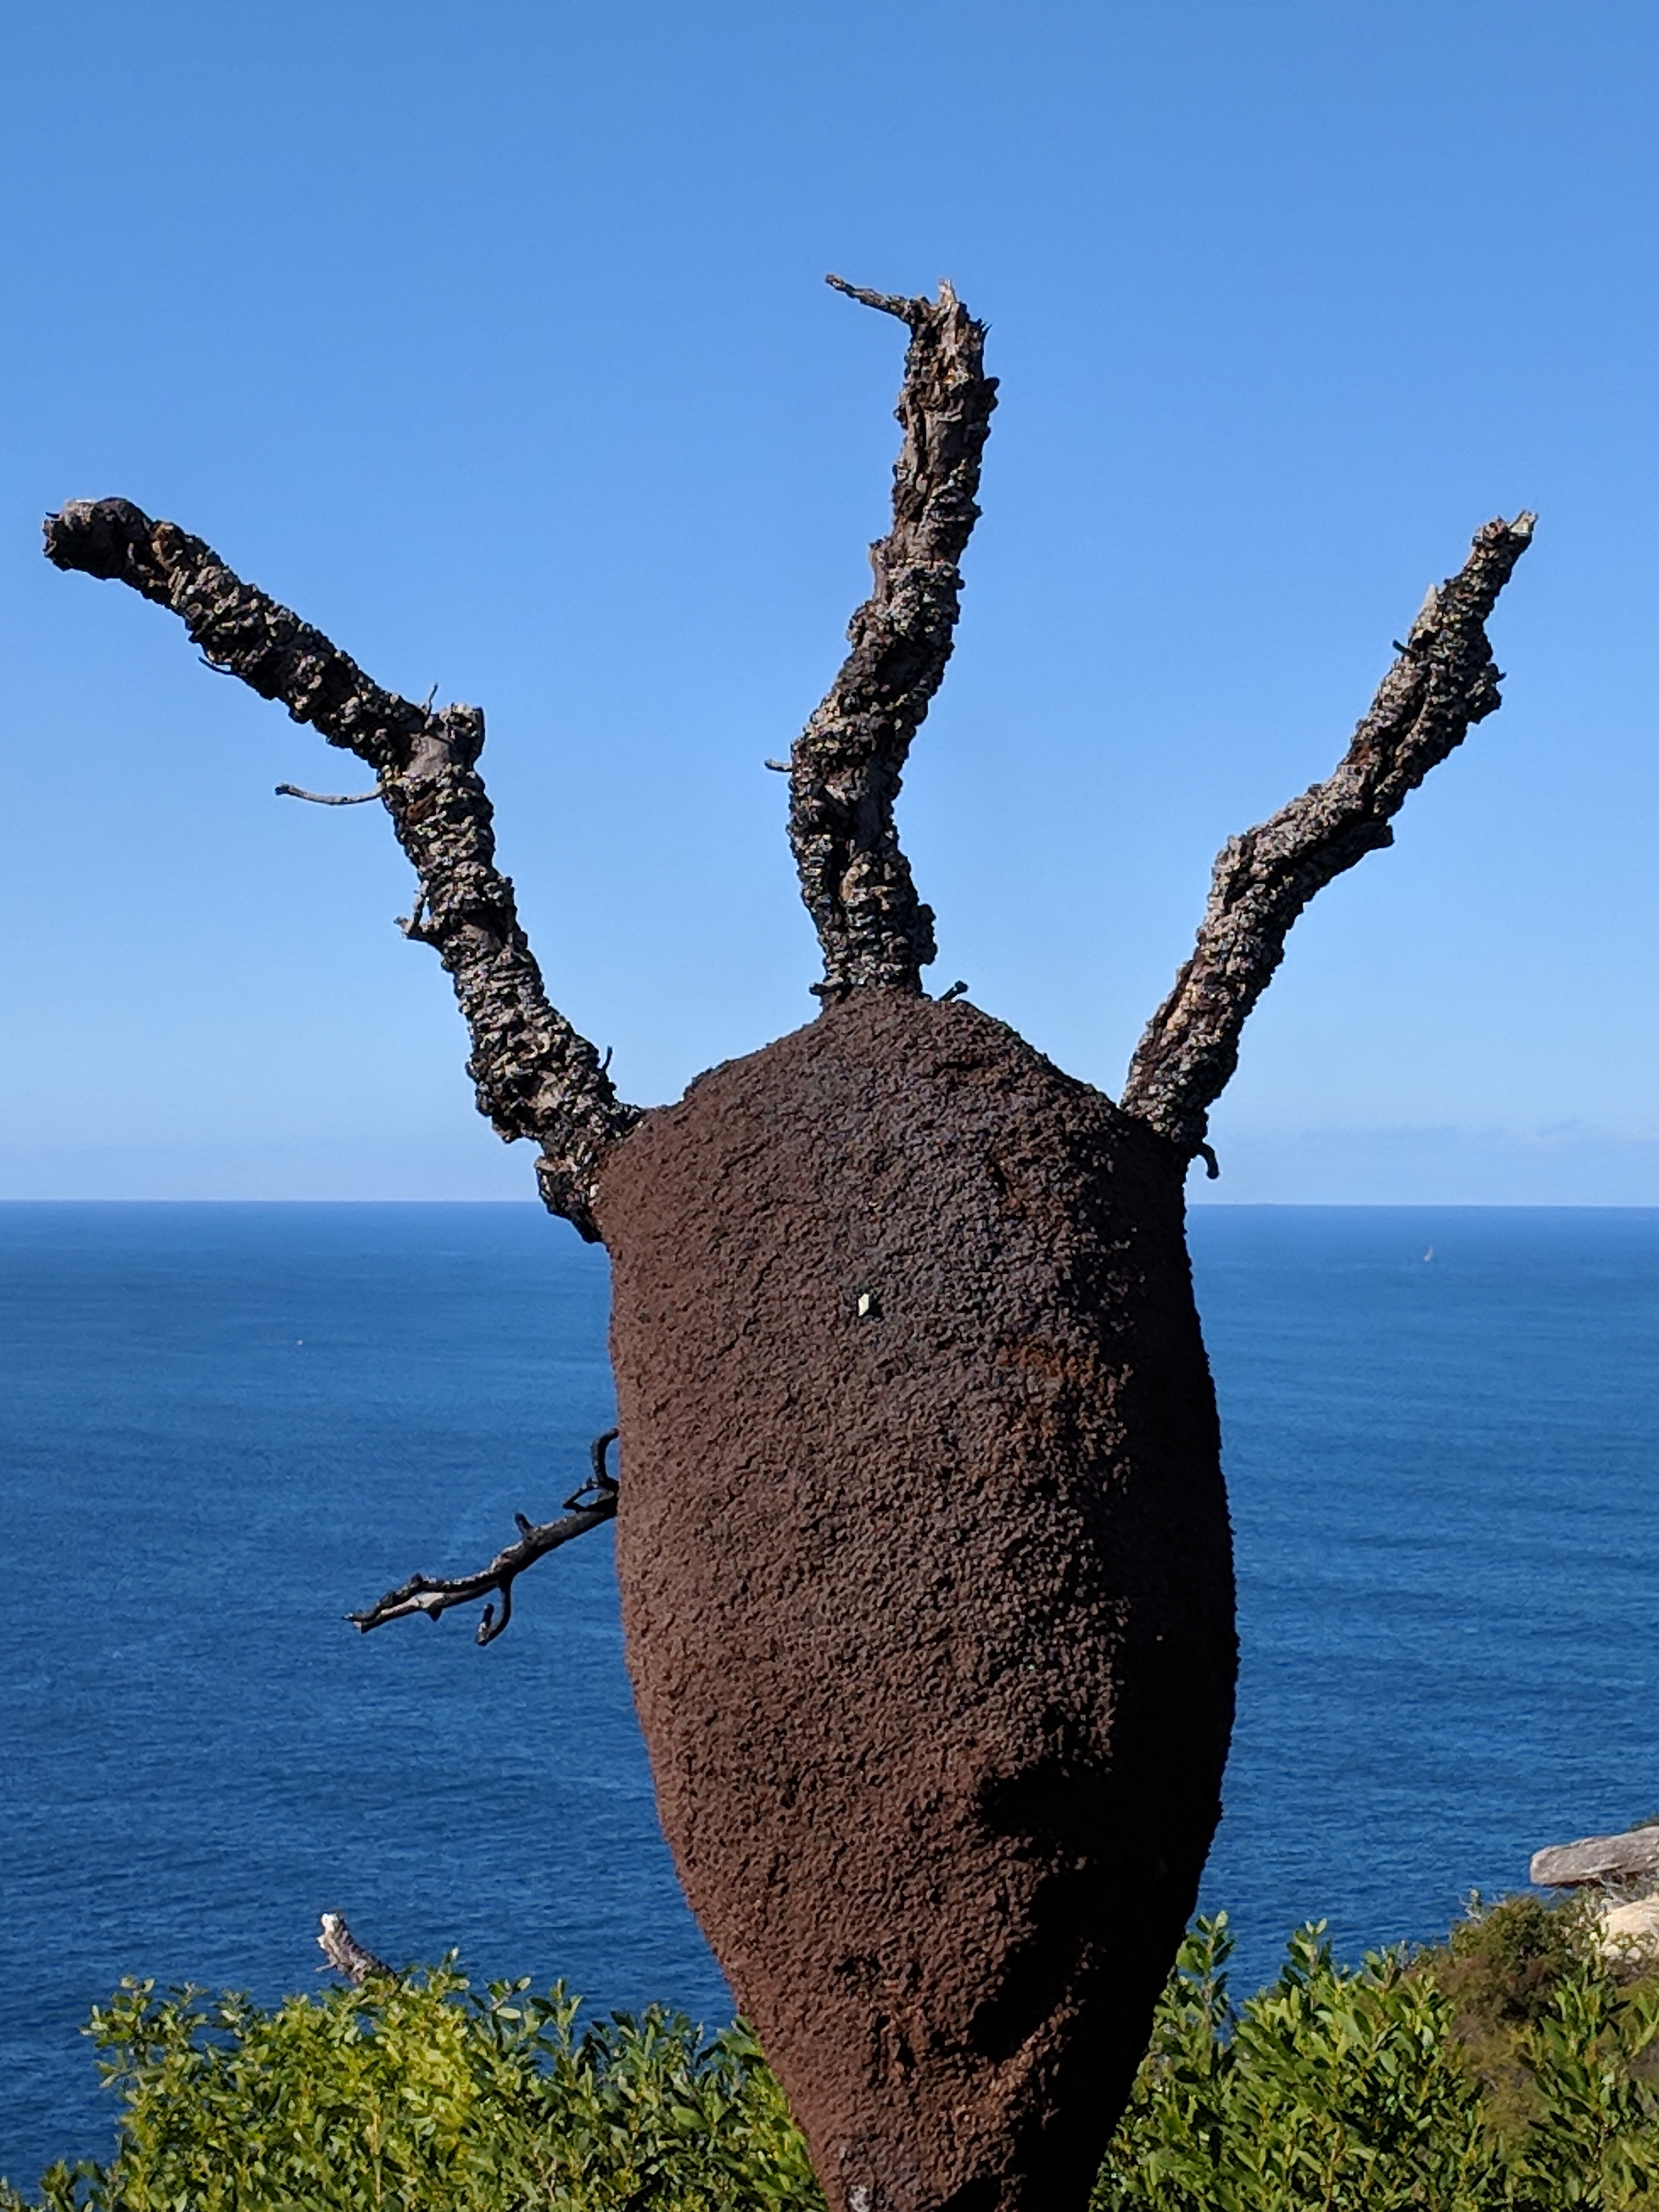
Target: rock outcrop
point(1624, 1869)
point(1598, 1860)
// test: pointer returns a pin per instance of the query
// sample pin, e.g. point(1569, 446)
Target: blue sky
point(492, 338)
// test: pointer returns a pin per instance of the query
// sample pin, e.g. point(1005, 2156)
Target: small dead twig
point(593, 1504)
point(347, 1955)
point(326, 798)
point(411, 925)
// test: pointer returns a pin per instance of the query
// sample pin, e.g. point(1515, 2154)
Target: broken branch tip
point(886, 303)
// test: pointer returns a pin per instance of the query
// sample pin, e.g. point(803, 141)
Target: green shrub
point(418, 2093)
point(1503, 1969)
point(1328, 2089)
point(1510, 2070)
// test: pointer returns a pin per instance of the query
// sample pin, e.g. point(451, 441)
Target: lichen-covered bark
point(535, 1076)
point(1443, 681)
point(847, 764)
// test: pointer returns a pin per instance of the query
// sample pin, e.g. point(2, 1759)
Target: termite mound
point(926, 1582)
point(923, 1546)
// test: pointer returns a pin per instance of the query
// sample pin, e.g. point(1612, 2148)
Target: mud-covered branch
point(1443, 681)
point(536, 1077)
point(593, 1504)
point(847, 765)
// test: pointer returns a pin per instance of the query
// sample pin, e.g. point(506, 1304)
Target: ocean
point(222, 1426)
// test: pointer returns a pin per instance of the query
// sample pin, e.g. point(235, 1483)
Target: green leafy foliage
point(1503, 1970)
point(417, 2094)
point(1512, 2069)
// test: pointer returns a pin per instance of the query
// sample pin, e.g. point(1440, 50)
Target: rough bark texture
point(926, 1574)
point(1443, 681)
point(846, 766)
point(536, 1077)
point(347, 1955)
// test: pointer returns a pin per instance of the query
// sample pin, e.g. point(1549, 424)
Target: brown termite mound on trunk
point(926, 1581)
point(924, 1550)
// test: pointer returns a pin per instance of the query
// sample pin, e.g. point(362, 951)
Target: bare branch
point(347, 1955)
point(424, 1593)
point(536, 1077)
point(1443, 681)
point(910, 311)
point(326, 798)
point(847, 765)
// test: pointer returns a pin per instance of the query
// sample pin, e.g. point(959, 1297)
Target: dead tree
point(923, 1544)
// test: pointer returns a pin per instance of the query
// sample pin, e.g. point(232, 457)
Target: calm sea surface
point(221, 1426)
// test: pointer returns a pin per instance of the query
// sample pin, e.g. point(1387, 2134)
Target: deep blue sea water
point(221, 1426)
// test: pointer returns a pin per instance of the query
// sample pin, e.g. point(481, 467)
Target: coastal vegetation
point(1513, 2068)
